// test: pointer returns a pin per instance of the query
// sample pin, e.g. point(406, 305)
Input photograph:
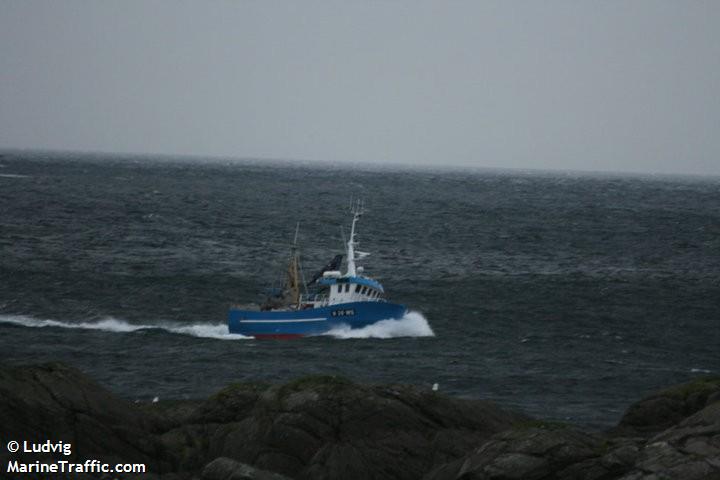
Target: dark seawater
point(562, 295)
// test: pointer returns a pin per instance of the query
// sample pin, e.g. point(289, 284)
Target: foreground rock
point(227, 469)
point(527, 452)
point(57, 403)
point(316, 427)
point(639, 448)
point(689, 450)
point(327, 427)
point(669, 407)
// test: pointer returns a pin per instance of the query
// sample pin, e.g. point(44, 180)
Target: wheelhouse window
point(357, 287)
point(347, 287)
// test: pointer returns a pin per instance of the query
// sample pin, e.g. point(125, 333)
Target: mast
point(357, 209)
point(293, 279)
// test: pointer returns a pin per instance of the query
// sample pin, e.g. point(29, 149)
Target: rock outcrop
point(328, 427)
point(641, 447)
point(668, 407)
point(57, 403)
point(227, 469)
point(322, 427)
point(689, 450)
point(531, 451)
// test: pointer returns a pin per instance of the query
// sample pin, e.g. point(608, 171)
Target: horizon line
point(356, 165)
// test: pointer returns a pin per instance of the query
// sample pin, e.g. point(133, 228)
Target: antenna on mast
point(294, 272)
point(297, 229)
point(357, 208)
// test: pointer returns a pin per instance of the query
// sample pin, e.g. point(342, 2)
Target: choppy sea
point(565, 295)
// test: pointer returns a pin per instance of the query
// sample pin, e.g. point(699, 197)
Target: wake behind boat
point(352, 299)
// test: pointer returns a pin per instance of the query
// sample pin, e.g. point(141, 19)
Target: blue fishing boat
point(329, 300)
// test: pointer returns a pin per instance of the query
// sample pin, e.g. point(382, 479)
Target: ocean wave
point(700, 370)
point(13, 175)
point(413, 324)
point(201, 330)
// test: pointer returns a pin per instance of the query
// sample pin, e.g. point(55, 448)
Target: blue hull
point(313, 321)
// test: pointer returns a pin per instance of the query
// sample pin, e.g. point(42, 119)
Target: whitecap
point(13, 175)
point(413, 324)
point(201, 330)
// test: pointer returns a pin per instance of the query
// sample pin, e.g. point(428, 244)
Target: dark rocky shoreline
point(329, 428)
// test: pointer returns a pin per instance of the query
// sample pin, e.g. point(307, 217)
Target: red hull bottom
point(278, 336)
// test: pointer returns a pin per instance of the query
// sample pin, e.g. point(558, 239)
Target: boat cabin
point(344, 290)
point(351, 287)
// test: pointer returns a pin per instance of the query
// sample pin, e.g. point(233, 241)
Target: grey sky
point(604, 85)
